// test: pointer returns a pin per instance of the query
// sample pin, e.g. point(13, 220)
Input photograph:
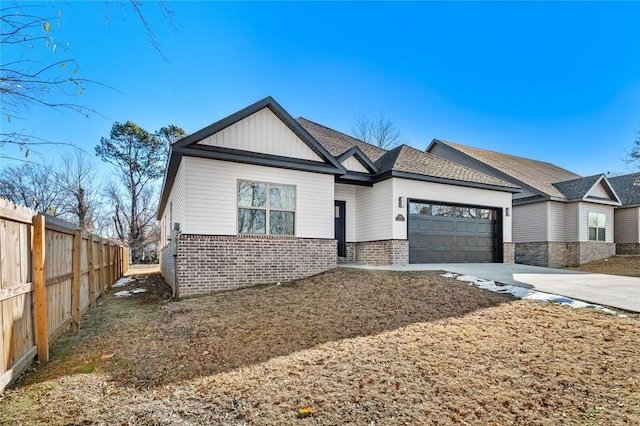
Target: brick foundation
point(558, 255)
point(350, 254)
point(508, 253)
point(208, 263)
point(385, 252)
point(628, 248)
point(167, 266)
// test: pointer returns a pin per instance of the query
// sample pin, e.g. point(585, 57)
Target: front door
point(340, 210)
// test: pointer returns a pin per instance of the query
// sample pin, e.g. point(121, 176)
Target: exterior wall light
point(508, 212)
point(400, 202)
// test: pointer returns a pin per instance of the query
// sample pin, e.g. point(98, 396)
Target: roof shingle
point(539, 175)
point(576, 189)
point(628, 188)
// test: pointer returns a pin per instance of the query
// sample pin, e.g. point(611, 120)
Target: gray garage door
point(451, 233)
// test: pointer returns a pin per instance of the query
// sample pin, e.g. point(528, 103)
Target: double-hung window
point(597, 226)
point(266, 208)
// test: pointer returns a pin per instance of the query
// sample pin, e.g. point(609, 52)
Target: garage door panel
point(450, 238)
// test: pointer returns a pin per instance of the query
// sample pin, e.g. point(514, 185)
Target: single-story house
point(559, 218)
point(261, 197)
point(627, 216)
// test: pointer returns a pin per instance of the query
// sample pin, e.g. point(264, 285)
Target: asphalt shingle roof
point(338, 143)
point(539, 175)
point(407, 159)
point(576, 189)
point(628, 188)
point(402, 158)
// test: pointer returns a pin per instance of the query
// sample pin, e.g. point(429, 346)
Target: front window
point(597, 226)
point(266, 208)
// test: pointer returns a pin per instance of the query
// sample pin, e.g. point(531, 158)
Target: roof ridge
point(503, 154)
point(342, 133)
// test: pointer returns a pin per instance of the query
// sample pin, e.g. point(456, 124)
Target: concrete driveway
point(610, 290)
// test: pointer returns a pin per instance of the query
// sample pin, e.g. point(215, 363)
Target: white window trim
point(597, 228)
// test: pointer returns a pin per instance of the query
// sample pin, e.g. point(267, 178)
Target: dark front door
point(340, 210)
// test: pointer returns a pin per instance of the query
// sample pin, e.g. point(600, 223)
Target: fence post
point(101, 264)
point(39, 296)
point(75, 282)
point(92, 272)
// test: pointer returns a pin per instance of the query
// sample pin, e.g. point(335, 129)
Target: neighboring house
point(259, 197)
point(559, 218)
point(627, 216)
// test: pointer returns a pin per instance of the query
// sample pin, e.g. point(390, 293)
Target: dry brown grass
point(358, 347)
point(617, 265)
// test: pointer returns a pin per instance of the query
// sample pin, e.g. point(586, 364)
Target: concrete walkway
point(610, 290)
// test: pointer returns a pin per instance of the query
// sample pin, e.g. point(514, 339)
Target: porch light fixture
point(507, 212)
point(400, 202)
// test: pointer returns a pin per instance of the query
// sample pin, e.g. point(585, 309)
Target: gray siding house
point(627, 216)
point(261, 197)
point(559, 218)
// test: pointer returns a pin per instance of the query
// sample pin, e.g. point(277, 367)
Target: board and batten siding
point(583, 221)
point(211, 197)
point(354, 165)
point(265, 133)
point(530, 222)
point(431, 191)
point(347, 193)
point(375, 212)
point(175, 204)
point(599, 191)
point(557, 221)
point(627, 225)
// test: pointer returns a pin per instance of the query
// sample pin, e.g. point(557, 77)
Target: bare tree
point(139, 156)
point(79, 185)
point(380, 131)
point(26, 83)
point(633, 155)
point(34, 186)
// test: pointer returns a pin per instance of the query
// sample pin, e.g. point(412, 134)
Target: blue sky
point(558, 82)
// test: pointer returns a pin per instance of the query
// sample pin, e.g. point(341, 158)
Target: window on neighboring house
point(266, 208)
point(597, 226)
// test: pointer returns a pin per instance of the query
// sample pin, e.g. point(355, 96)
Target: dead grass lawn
point(358, 347)
point(617, 265)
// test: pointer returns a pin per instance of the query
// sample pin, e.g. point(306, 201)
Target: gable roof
point(579, 189)
point(628, 188)
point(538, 175)
point(189, 146)
point(403, 161)
point(338, 143)
point(361, 157)
point(406, 159)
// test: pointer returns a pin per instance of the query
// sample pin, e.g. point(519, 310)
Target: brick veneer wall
point(628, 248)
point(558, 255)
point(209, 263)
point(385, 252)
point(167, 266)
point(508, 253)
point(350, 254)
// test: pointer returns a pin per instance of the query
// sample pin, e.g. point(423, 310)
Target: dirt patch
point(617, 265)
point(345, 347)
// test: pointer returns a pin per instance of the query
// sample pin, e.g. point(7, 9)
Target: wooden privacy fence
point(50, 274)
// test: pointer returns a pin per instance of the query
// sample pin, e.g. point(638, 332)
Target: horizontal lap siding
point(211, 197)
point(583, 224)
point(627, 224)
point(530, 223)
point(557, 221)
point(418, 190)
point(375, 212)
point(175, 200)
